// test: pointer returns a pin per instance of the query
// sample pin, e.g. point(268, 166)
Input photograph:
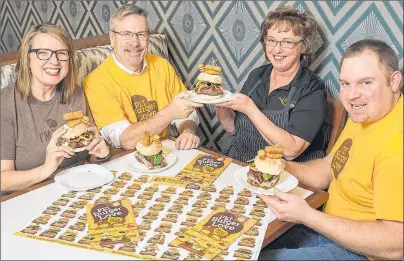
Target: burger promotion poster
point(214, 233)
point(135, 218)
point(203, 170)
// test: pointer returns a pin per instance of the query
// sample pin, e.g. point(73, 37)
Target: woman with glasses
point(33, 107)
point(282, 102)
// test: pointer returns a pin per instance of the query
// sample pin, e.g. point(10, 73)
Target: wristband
point(105, 158)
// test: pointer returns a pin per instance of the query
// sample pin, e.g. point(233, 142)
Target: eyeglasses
point(126, 35)
point(46, 54)
point(285, 44)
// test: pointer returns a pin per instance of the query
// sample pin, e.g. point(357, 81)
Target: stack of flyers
point(111, 222)
point(201, 171)
point(215, 233)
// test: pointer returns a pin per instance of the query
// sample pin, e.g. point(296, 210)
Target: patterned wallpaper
point(227, 31)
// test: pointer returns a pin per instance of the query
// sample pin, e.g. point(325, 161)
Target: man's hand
point(288, 207)
point(187, 141)
point(239, 102)
point(180, 107)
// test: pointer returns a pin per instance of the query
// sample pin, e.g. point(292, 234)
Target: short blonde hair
point(23, 75)
point(302, 24)
point(126, 10)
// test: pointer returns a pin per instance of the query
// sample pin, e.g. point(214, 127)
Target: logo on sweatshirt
point(341, 157)
point(52, 123)
point(143, 108)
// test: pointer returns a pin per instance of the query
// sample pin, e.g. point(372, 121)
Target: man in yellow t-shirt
point(363, 217)
point(132, 91)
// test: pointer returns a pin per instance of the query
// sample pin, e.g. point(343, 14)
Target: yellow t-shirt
point(115, 95)
point(367, 169)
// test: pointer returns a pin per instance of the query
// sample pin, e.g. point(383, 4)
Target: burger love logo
point(143, 108)
point(208, 161)
point(112, 214)
point(224, 220)
point(341, 157)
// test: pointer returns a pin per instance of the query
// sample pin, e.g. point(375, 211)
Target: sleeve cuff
point(112, 132)
point(294, 131)
point(193, 117)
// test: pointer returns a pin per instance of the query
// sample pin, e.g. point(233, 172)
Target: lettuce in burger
point(149, 151)
point(264, 172)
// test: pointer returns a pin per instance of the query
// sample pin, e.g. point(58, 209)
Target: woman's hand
point(98, 147)
point(55, 154)
point(226, 117)
point(239, 102)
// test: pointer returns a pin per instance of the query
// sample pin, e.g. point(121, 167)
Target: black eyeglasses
point(126, 35)
point(285, 44)
point(46, 54)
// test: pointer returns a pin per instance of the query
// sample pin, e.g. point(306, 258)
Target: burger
point(149, 151)
point(171, 254)
point(209, 86)
point(77, 138)
point(265, 169)
point(243, 253)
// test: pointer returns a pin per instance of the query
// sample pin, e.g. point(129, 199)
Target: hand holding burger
point(80, 136)
point(54, 154)
point(98, 147)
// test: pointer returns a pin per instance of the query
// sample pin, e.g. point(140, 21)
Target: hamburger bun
point(209, 78)
point(75, 131)
point(77, 138)
point(271, 166)
point(151, 150)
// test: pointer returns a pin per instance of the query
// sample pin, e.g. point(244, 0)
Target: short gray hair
point(126, 10)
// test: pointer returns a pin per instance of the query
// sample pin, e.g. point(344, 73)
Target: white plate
point(84, 177)
point(197, 98)
point(132, 163)
point(286, 182)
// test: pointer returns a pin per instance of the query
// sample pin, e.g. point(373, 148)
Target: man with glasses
point(132, 91)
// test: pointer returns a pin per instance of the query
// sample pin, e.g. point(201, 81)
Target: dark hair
point(301, 23)
point(385, 54)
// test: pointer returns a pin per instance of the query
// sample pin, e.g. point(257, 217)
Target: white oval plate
point(84, 177)
point(132, 163)
point(286, 182)
point(197, 98)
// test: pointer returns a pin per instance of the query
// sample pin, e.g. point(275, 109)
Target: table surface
point(19, 208)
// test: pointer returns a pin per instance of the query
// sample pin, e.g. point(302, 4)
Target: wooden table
point(275, 229)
